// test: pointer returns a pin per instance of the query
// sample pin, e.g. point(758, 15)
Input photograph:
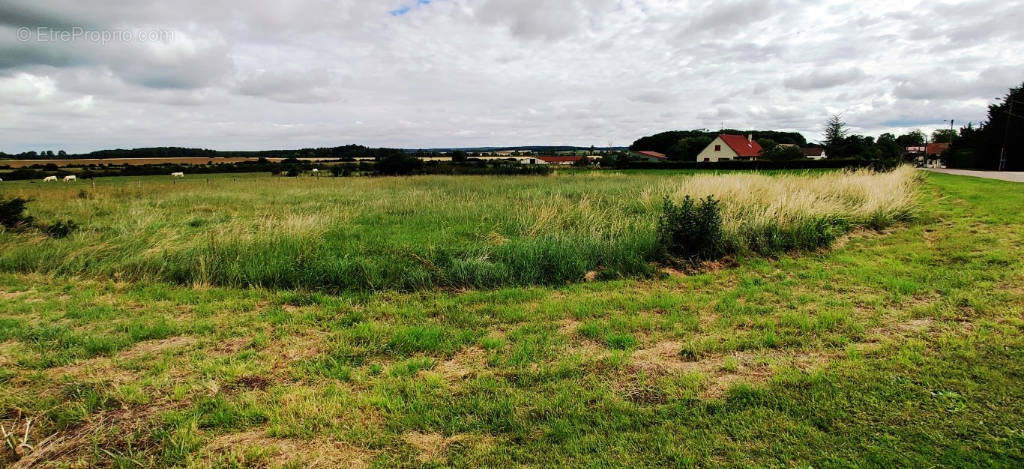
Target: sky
point(84, 75)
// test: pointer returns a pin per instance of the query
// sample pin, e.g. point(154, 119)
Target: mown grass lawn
point(900, 348)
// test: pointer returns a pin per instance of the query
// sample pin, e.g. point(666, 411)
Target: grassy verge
point(899, 348)
point(423, 232)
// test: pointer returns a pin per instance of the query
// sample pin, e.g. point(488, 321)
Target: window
point(718, 148)
point(706, 160)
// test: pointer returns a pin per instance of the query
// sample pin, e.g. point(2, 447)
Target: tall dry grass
point(419, 232)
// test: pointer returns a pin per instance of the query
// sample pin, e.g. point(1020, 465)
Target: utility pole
point(1006, 136)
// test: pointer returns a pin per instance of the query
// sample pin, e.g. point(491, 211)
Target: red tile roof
point(936, 148)
point(653, 154)
point(812, 151)
point(742, 146)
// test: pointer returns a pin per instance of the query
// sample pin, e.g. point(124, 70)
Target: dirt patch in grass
point(720, 371)
point(73, 447)
point(156, 346)
point(433, 447)
point(231, 346)
point(568, 327)
point(859, 233)
point(7, 352)
point(6, 295)
point(277, 452)
point(104, 367)
point(466, 363)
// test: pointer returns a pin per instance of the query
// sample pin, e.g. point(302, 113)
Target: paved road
point(1000, 175)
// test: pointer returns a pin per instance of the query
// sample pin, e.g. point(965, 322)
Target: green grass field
point(899, 347)
point(368, 234)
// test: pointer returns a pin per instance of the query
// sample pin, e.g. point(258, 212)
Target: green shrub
point(691, 231)
point(61, 229)
point(12, 214)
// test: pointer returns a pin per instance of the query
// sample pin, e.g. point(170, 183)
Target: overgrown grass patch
point(372, 234)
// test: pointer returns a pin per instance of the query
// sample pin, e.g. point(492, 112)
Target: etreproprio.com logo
point(99, 36)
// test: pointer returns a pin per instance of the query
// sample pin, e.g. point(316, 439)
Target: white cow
point(177, 175)
point(71, 178)
point(316, 170)
point(50, 179)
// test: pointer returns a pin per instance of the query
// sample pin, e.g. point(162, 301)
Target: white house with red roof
point(727, 147)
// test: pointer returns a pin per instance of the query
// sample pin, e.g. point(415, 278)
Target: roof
point(560, 159)
point(741, 145)
point(936, 148)
point(652, 154)
point(813, 151)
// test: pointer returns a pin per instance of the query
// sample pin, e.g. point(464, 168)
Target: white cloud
point(270, 74)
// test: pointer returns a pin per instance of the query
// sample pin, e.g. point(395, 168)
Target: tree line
point(997, 143)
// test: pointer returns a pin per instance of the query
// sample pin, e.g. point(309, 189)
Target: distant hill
point(342, 152)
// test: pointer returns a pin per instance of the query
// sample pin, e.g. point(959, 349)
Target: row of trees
point(1000, 138)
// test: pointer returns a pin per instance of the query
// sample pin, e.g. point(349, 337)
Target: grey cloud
point(540, 19)
point(822, 79)
point(941, 83)
point(271, 74)
point(310, 86)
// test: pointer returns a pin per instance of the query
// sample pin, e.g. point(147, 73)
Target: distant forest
point(347, 152)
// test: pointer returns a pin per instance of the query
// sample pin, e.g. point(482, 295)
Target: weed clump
point(60, 230)
point(691, 231)
point(12, 214)
point(13, 218)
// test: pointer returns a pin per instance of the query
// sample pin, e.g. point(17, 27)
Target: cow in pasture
point(71, 178)
point(177, 175)
point(50, 179)
point(315, 170)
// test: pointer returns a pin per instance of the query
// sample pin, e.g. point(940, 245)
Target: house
point(935, 149)
point(560, 160)
point(648, 155)
point(530, 161)
point(814, 153)
point(731, 147)
point(933, 154)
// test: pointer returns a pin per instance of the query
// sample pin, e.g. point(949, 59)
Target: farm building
point(730, 147)
point(814, 153)
point(561, 160)
point(648, 155)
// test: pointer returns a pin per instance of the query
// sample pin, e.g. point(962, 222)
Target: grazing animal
point(50, 179)
point(71, 178)
point(316, 170)
point(177, 175)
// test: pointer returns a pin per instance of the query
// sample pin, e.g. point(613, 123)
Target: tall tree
point(944, 136)
point(835, 133)
point(914, 138)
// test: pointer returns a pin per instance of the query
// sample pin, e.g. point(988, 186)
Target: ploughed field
point(858, 319)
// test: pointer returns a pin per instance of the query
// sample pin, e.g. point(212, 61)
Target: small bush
point(61, 229)
point(12, 214)
point(691, 231)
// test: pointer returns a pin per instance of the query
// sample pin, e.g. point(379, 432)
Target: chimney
point(750, 138)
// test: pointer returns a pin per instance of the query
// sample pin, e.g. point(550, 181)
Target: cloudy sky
point(83, 75)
